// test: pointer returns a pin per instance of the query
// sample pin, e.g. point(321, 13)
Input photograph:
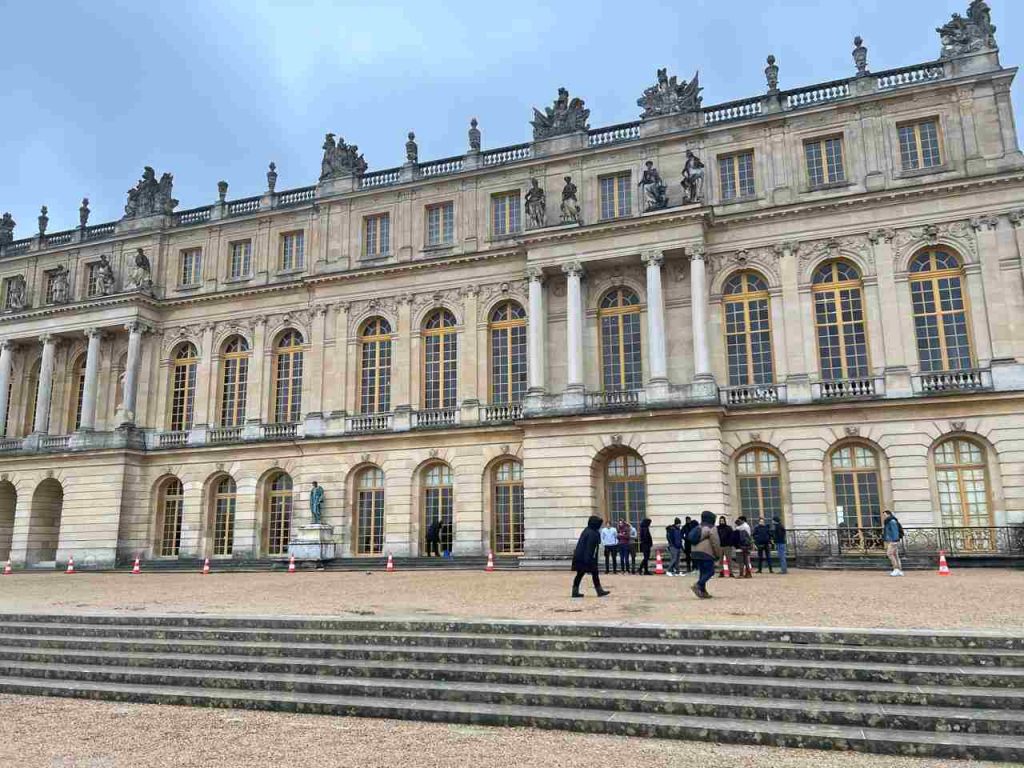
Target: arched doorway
point(44, 529)
point(8, 502)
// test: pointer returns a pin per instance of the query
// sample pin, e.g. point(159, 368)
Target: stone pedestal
point(313, 542)
point(683, 121)
point(557, 145)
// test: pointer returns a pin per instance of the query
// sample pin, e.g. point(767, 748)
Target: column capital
point(786, 248)
point(535, 274)
point(573, 269)
point(257, 320)
point(320, 309)
point(47, 338)
point(6, 345)
point(652, 258)
point(91, 332)
point(989, 221)
point(878, 235)
point(138, 326)
point(696, 252)
point(1016, 217)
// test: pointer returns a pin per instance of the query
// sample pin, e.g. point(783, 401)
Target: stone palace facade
point(807, 303)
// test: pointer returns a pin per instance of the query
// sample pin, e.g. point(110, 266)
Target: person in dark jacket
point(625, 532)
point(779, 537)
point(434, 538)
point(646, 542)
point(674, 537)
point(688, 526)
point(725, 540)
point(706, 553)
point(584, 559)
point(763, 540)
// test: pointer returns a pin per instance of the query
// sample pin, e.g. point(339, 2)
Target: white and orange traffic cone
point(659, 566)
point(7, 568)
point(136, 568)
point(71, 564)
point(726, 571)
point(206, 567)
point(943, 565)
point(490, 563)
point(390, 567)
point(291, 564)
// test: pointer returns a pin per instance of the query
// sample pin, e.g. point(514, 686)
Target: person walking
point(779, 537)
point(892, 533)
point(674, 536)
point(610, 541)
point(725, 540)
point(706, 551)
point(646, 542)
point(763, 542)
point(688, 526)
point(584, 558)
point(743, 539)
point(625, 544)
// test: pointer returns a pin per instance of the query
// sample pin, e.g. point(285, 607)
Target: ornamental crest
point(562, 118)
point(669, 97)
point(974, 33)
point(341, 159)
point(150, 197)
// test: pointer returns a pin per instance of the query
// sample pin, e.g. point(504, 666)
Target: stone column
point(313, 374)
point(42, 414)
point(653, 261)
point(798, 386)
point(255, 395)
point(536, 362)
point(574, 327)
point(131, 371)
point(6, 355)
point(468, 391)
point(699, 314)
point(203, 415)
point(895, 343)
point(997, 309)
point(92, 371)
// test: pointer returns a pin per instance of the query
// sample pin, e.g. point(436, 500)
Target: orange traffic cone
point(136, 569)
point(943, 565)
point(659, 566)
point(7, 568)
point(390, 568)
point(490, 563)
point(726, 571)
point(291, 564)
point(206, 567)
point(71, 565)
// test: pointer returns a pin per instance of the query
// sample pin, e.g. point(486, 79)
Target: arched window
point(621, 366)
point(279, 514)
point(440, 360)
point(508, 508)
point(183, 387)
point(33, 396)
point(760, 484)
point(626, 489)
point(369, 534)
point(224, 517)
point(857, 485)
point(508, 353)
point(748, 330)
point(940, 311)
point(235, 378)
point(288, 377)
point(78, 392)
point(962, 484)
point(839, 320)
point(438, 503)
point(375, 366)
point(171, 501)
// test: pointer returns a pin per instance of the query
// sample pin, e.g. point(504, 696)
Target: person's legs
point(892, 550)
point(780, 550)
point(624, 557)
point(689, 559)
point(706, 569)
point(761, 549)
point(768, 557)
point(673, 563)
point(576, 584)
point(596, 578)
point(644, 563)
point(607, 558)
point(615, 557)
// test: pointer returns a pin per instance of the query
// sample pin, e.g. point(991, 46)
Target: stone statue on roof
point(670, 97)
point(7, 225)
point(340, 159)
point(150, 197)
point(563, 117)
point(975, 32)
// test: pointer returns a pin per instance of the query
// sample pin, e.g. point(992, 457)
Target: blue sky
point(94, 91)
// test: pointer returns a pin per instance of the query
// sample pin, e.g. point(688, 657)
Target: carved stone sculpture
point(150, 197)
point(271, 178)
point(693, 179)
point(412, 151)
point(669, 97)
point(570, 208)
point(83, 213)
point(140, 274)
point(563, 117)
point(105, 276)
point(860, 56)
point(655, 194)
point(341, 159)
point(474, 136)
point(222, 191)
point(974, 33)
point(536, 206)
point(7, 225)
point(17, 294)
point(771, 75)
point(60, 285)
point(316, 503)
point(43, 220)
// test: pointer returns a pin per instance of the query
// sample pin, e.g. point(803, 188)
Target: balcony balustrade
point(371, 422)
point(952, 381)
point(613, 399)
point(172, 439)
point(501, 414)
point(754, 394)
point(436, 417)
point(280, 431)
point(224, 435)
point(848, 389)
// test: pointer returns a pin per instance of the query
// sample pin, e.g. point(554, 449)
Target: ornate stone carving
point(564, 117)
point(222, 192)
point(340, 159)
point(1016, 216)
point(150, 197)
point(755, 437)
point(878, 235)
point(652, 257)
point(573, 268)
point(956, 233)
point(653, 189)
point(693, 179)
point(271, 178)
point(762, 260)
point(140, 274)
point(989, 221)
point(860, 56)
point(536, 206)
point(60, 285)
point(506, 450)
point(534, 273)
point(104, 276)
point(83, 213)
point(852, 431)
point(616, 439)
point(474, 136)
point(957, 426)
point(17, 294)
point(854, 247)
point(669, 97)
point(43, 220)
point(570, 208)
point(974, 33)
point(771, 75)
point(412, 151)
point(7, 225)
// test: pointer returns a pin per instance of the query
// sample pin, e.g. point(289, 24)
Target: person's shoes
point(604, 593)
point(760, 571)
point(900, 573)
point(894, 572)
point(705, 595)
point(696, 590)
point(577, 594)
point(669, 573)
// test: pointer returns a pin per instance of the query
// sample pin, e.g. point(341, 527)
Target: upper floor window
point(183, 387)
point(13, 292)
point(615, 195)
point(189, 264)
point(441, 224)
point(940, 311)
point(375, 366)
point(240, 260)
point(94, 279)
point(839, 322)
point(736, 174)
point(919, 145)
point(288, 377)
point(293, 250)
point(55, 283)
point(377, 235)
point(234, 381)
point(440, 360)
point(508, 353)
point(506, 217)
point(825, 161)
point(748, 330)
point(621, 367)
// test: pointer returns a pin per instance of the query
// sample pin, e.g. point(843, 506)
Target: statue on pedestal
point(771, 75)
point(83, 213)
point(7, 225)
point(974, 33)
point(693, 179)
point(316, 502)
point(412, 150)
point(60, 285)
point(536, 206)
point(860, 56)
point(44, 220)
point(150, 197)
point(653, 188)
point(341, 159)
point(474, 136)
point(670, 97)
point(140, 274)
point(17, 293)
point(563, 117)
point(570, 208)
point(104, 276)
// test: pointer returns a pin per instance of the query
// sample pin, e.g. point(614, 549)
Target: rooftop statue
point(341, 159)
point(669, 97)
point(7, 225)
point(474, 136)
point(412, 151)
point(974, 33)
point(83, 213)
point(44, 220)
point(150, 197)
point(562, 118)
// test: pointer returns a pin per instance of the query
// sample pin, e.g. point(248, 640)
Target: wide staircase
point(935, 694)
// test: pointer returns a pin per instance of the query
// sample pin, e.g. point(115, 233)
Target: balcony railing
point(371, 422)
point(441, 167)
point(243, 206)
point(613, 134)
point(225, 435)
point(921, 73)
point(383, 178)
point(848, 389)
point(172, 439)
point(295, 196)
point(54, 442)
point(436, 417)
point(953, 540)
point(755, 394)
point(10, 444)
point(280, 430)
point(953, 381)
point(625, 398)
point(501, 414)
point(507, 155)
point(194, 216)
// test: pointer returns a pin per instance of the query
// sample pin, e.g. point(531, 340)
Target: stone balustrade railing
point(614, 134)
point(280, 430)
point(846, 389)
point(754, 394)
point(734, 110)
point(10, 444)
point(371, 422)
point(922, 73)
point(224, 434)
point(442, 167)
point(626, 398)
point(507, 155)
point(501, 414)
point(60, 238)
point(383, 178)
point(243, 206)
point(172, 439)
point(817, 94)
point(295, 197)
point(100, 230)
point(54, 442)
point(952, 381)
point(436, 417)
point(193, 216)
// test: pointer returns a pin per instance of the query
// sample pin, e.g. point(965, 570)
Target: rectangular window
point(188, 266)
point(736, 174)
point(293, 250)
point(825, 161)
point(240, 264)
point(11, 289)
point(441, 224)
point(919, 145)
point(505, 214)
point(93, 280)
point(615, 195)
point(377, 235)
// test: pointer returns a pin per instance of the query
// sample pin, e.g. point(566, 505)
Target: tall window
point(919, 145)
point(615, 195)
point(440, 360)
point(736, 174)
point(839, 322)
point(234, 382)
point(940, 311)
point(370, 512)
point(224, 517)
point(621, 365)
point(240, 262)
point(748, 330)
point(377, 235)
point(183, 387)
point(279, 514)
point(171, 501)
point(825, 161)
point(626, 489)
point(438, 502)
point(293, 250)
point(288, 378)
point(78, 384)
point(93, 280)
point(508, 508)
point(375, 366)
point(51, 285)
point(189, 266)
point(963, 489)
point(508, 353)
point(9, 294)
point(506, 218)
point(760, 484)
point(441, 224)
point(855, 478)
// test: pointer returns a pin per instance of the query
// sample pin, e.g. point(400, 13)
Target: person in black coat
point(584, 559)
point(725, 536)
point(646, 542)
point(688, 526)
point(763, 540)
point(434, 538)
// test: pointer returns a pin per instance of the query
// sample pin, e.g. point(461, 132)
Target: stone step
point(735, 730)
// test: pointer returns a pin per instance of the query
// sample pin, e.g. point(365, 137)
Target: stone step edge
point(918, 743)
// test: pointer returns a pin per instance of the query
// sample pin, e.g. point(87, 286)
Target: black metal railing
point(953, 540)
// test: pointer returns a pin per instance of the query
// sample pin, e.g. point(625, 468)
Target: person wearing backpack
point(706, 549)
point(674, 537)
point(892, 533)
